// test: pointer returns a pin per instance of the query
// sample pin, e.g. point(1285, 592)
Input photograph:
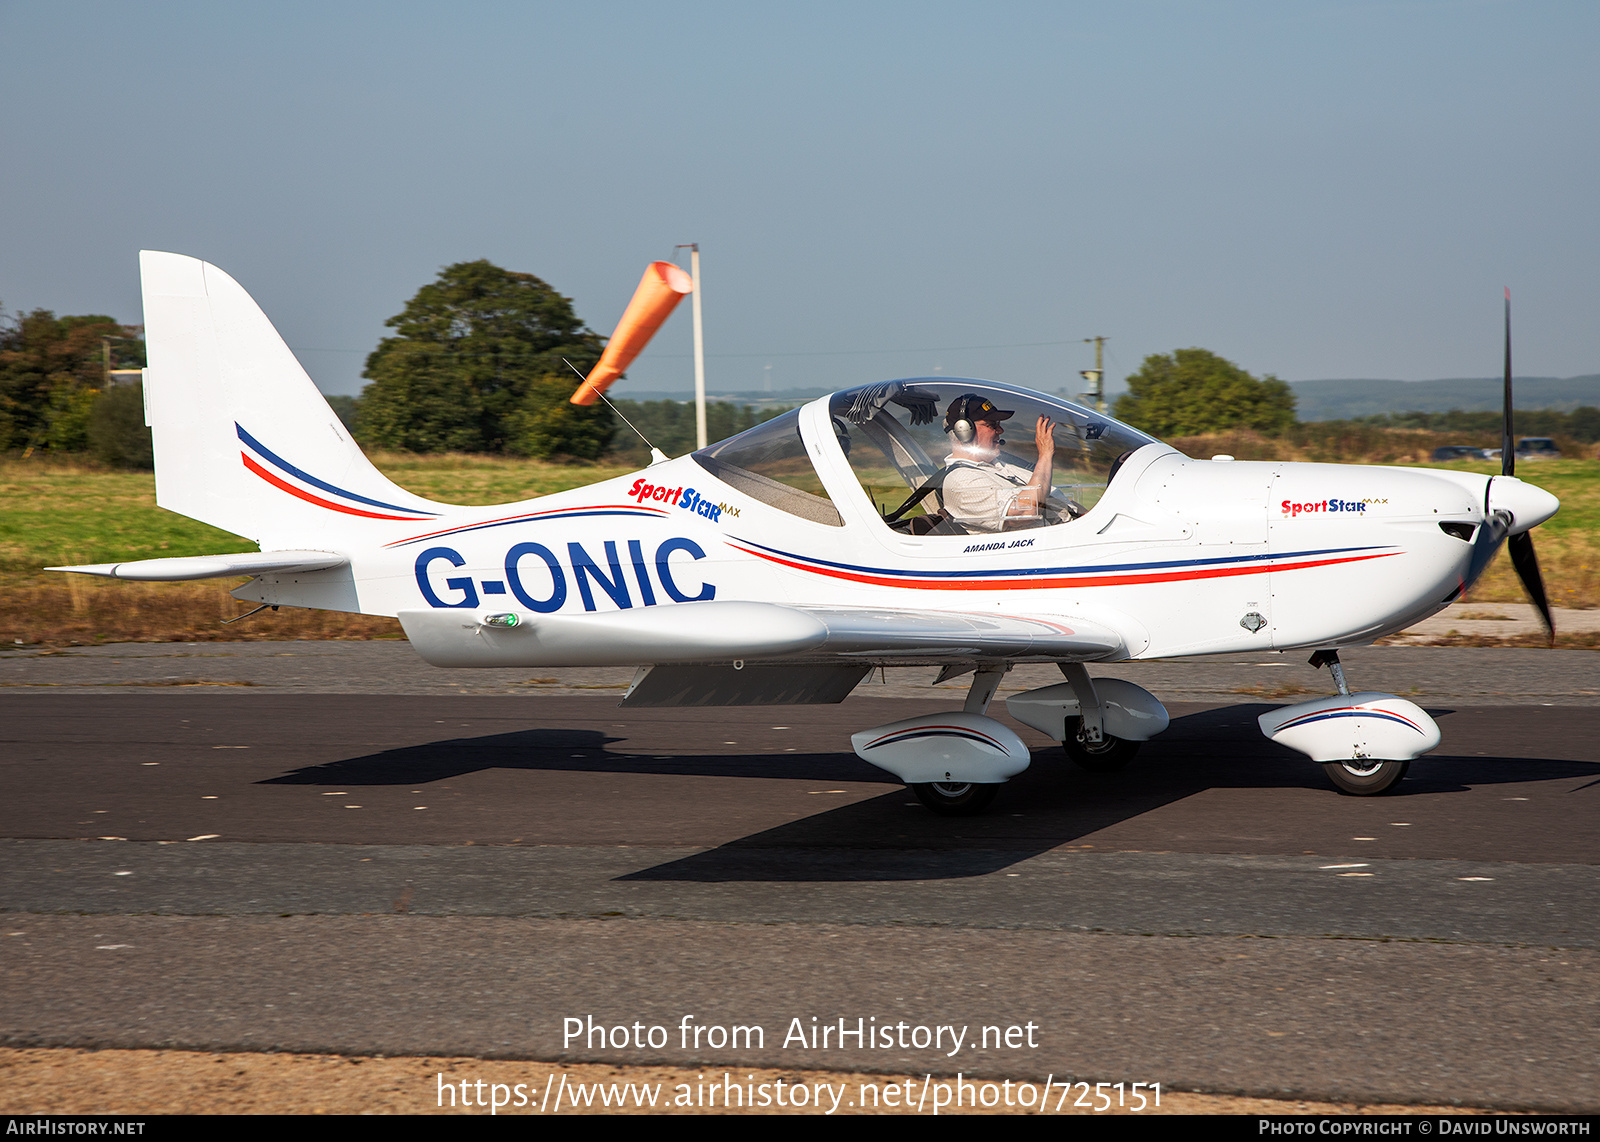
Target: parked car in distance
point(1537, 448)
point(1457, 452)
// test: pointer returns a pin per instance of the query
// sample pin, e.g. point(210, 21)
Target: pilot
point(982, 492)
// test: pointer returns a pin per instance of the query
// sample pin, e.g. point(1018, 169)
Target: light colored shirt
point(978, 496)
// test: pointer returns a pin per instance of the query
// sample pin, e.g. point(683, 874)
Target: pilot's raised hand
point(1044, 436)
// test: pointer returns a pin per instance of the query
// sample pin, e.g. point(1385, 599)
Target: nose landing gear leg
point(1330, 659)
point(1364, 741)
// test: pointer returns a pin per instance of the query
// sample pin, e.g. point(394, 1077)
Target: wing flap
point(770, 685)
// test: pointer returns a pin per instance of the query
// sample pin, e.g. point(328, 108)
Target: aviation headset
point(966, 409)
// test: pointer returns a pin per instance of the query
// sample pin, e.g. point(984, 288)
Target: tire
point(1107, 755)
point(1365, 777)
point(955, 798)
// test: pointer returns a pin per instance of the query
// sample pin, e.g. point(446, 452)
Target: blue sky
point(1310, 189)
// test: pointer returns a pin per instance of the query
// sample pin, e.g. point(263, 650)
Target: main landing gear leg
point(966, 798)
point(985, 681)
point(1088, 745)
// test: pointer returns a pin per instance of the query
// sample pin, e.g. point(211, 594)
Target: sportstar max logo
point(686, 498)
point(1293, 509)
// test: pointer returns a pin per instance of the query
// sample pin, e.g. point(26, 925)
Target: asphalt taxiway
point(327, 847)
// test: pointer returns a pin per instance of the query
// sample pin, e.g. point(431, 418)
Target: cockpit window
point(769, 463)
point(971, 449)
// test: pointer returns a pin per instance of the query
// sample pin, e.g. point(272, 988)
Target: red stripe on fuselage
point(318, 500)
point(548, 513)
point(1072, 581)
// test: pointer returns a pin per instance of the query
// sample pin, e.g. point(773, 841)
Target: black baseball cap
point(972, 408)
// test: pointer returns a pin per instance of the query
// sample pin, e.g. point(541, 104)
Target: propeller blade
point(1508, 446)
point(1521, 544)
point(1484, 546)
point(1527, 565)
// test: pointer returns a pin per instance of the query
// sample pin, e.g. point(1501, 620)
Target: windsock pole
point(659, 292)
point(699, 352)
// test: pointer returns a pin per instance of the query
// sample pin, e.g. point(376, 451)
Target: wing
point(766, 633)
point(890, 635)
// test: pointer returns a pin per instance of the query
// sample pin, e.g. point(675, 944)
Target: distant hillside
point(1314, 400)
point(1342, 400)
point(798, 396)
point(749, 397)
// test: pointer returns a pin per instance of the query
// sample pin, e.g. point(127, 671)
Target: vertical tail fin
point(243, 439)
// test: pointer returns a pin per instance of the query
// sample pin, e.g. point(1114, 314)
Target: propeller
point(1520, 545)
point(1527, 565)
point(1508, 446)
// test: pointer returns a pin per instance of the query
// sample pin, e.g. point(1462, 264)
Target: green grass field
point(54, 512)
point(1568, 546)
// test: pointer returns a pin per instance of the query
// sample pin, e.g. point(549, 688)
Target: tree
point(51, 372)
point(1195, 391)
point(547, 425)
point(116, 431)
point(1584, 423)
point(669, 425)
point(476, 366)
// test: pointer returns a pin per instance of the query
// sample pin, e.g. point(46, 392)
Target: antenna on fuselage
point(656, 455)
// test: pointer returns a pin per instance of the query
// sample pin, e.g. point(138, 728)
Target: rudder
point(243, 439)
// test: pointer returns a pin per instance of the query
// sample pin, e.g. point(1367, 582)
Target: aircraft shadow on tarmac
point(567, 751)
point(891, 837)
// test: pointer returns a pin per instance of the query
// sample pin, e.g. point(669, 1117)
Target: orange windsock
point(659, 292)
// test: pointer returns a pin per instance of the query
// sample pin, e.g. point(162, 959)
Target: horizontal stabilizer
point(212, 566)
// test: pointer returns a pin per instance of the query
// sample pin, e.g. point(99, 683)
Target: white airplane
point(874, 527)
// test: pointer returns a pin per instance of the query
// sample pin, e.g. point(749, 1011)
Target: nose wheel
point(1358, 776)
point(1365, 776)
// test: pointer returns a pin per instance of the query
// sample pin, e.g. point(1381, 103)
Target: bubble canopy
point(895, 437)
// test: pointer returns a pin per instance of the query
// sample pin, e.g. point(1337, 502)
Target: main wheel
point(955, 798)
point(1365, 776)
point(1107, 755)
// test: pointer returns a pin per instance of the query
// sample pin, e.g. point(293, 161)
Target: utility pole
point(1096, 375)
point(106, 372)
point(114, 376)
point(699, 350)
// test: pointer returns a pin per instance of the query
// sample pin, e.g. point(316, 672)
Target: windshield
point(971, 448)
point(769, 463)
